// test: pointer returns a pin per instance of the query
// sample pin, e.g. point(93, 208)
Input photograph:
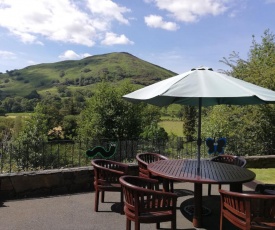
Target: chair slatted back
point(144, 159)
point(108, 171)
point(145, 203)
point(248, 211)
point(230, 159)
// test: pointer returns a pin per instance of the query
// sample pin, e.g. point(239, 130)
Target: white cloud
point(26, 37)
point(114, 39)
point(71, 55)
point(60, 20)
point(108, 9)
point(157, 22)
point(86, 55)
point(191, 11)
point(31, 62)
point(7, 55)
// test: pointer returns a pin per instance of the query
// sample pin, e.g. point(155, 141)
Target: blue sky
point(175, 34)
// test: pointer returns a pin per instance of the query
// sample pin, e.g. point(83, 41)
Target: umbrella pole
point(199, 141)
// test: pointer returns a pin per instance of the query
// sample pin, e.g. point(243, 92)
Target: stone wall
point(49, 182)
point(72, 180)
point(260, 161)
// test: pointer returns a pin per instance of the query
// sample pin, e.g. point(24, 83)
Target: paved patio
point(75, 212)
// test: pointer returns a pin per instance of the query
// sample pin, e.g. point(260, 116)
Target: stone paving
point(75, 212)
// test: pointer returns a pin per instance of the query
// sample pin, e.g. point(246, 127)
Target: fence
point(15, 157)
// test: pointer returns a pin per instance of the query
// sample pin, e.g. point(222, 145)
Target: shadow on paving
point(210, 221)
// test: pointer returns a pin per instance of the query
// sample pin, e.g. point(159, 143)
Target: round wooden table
point(210, 173)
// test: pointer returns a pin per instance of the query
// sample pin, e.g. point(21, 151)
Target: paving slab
point(76, 212)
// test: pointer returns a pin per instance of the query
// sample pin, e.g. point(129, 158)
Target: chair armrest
point(112, 166)
point(160, 193)
point(156, 157)
point(141, 183)
point(149, 186)
point(246, 195)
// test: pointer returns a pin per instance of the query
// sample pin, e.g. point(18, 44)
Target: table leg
point(197, 217)
point(165, 185)
point(236, 187)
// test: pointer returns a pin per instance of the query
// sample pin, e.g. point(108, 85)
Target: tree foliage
point(255, 122)
point(189, 121)
point(108, 115)
point(31, 139)
point(34, 127)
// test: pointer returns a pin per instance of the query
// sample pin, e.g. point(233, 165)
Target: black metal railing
point(16, 157)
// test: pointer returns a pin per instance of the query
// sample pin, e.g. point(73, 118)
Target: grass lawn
point(265, 175)
point(174, 127)
point(14, 115)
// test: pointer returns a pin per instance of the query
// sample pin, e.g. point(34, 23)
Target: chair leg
point(171, 186)
point(209, 189)
point(221, 219)
point(102, 196)
point(174, 224)
point(96, 200)
point(121, 203)
point(137, 225)
point(128, 224)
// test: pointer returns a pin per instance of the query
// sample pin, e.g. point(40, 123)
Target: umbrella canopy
point(202, 87)
point(212, 87)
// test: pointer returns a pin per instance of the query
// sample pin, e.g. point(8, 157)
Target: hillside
point(112, 67)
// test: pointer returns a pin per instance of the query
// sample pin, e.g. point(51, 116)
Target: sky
point(175, 34)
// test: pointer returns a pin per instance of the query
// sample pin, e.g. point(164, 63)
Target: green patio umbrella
point(202, 87)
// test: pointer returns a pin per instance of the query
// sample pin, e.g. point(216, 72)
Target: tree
point(189, 121)
point(50, 107)
point(35, 126)
point(69, 125)
point(6, 128)
point(33, 94)
point(255, 123)
point(7, 103)
point(108, 115)
point(31, 138)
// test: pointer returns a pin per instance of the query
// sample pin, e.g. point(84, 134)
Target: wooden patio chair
point(144, 203)
point(144, 159)
point(248, 211)
point(106, 178)
point(227, 159)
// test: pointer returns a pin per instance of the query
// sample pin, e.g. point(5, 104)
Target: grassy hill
point(111, 67)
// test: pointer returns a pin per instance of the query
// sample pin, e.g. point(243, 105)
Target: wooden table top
point(210, 172)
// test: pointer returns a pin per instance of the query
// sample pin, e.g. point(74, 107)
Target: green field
point(265, 175)
point(14, 115)
point(174, 127)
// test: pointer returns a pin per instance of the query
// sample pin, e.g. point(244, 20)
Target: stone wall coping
point(47, 171)
point(259, 157)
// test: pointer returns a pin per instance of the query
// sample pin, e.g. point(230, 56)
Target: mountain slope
point(111, 67)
